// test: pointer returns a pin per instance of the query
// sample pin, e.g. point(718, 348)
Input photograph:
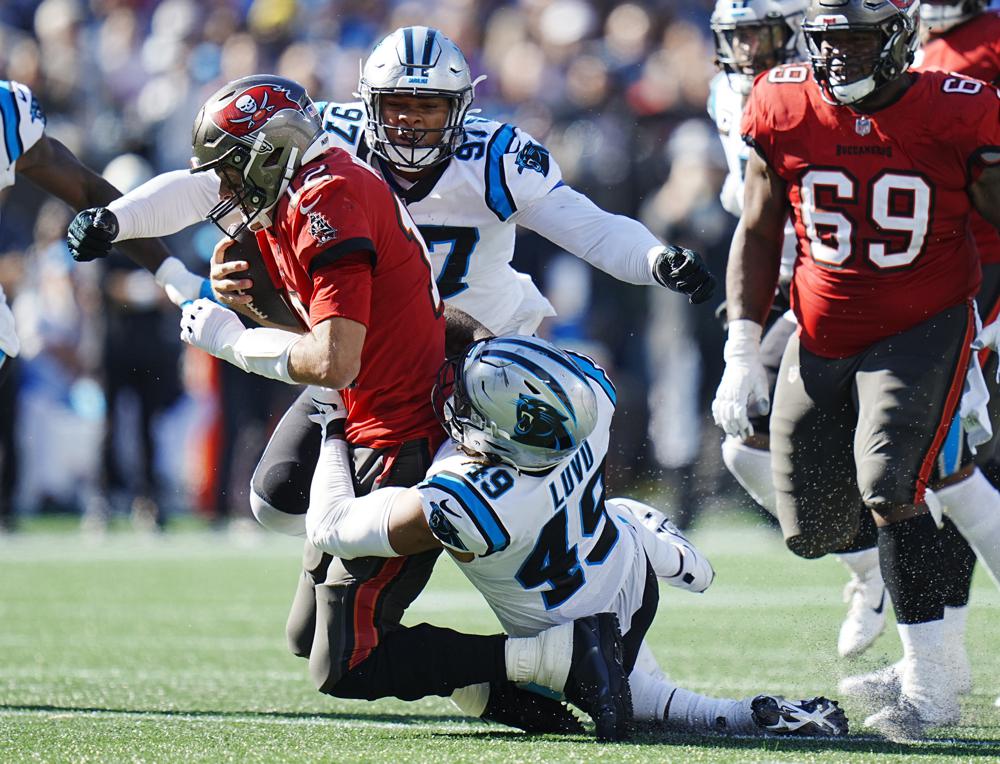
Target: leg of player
point(665, 706)
point(673, 558)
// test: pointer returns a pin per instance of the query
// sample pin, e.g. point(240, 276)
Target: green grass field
point(172, 650)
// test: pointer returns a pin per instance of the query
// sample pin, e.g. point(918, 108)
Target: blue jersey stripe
point(11, 122)
point(497, 537)
point(596, 373)
point(951, 449)
point(498, 197)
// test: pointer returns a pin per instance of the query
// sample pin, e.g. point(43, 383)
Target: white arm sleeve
point(616, 244)
point(166, 204)
point(336, 521)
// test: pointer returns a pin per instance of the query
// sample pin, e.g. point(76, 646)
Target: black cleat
point(816, 717)
point(537, 714)
point(597, 681)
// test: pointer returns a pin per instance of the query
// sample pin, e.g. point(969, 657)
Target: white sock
point(921, 640)
point(646, 662)
point(543, 659)
point(690, 712)
point(860, 563)
point(752, 469)
point(472, 700)
point(974, 506)
point(660, 700)
point(954, 624)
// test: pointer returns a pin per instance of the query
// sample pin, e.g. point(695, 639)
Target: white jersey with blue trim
point(547, 548)
point(23, 125)
point(725, 107)
point(466, 211)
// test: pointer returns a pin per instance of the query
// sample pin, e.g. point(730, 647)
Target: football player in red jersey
point(344, 248)
point(962, 38)
point(880, 168)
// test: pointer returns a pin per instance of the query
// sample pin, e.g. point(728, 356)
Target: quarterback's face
point(851, 55)
point(415, 120)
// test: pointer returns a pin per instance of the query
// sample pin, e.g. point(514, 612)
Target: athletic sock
point(958, 563)
point(910, 558)
point(974, 507)
point(688, 711)
point(862, 563)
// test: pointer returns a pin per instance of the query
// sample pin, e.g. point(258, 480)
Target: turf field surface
point(171, 649)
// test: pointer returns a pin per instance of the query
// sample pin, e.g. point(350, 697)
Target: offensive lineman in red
point(880, 168)
point(961, 37)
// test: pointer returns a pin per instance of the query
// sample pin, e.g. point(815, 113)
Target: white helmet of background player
point(752, 36)
point(517, 400)
point(417, 61)
point(847, 80)
point(940, 16)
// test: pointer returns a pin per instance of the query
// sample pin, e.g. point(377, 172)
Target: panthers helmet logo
point(539, 424)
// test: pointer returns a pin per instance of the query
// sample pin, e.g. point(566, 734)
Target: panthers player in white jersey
point(517, 499)
point(467, 183)
point(752, 36)
point(25, 150)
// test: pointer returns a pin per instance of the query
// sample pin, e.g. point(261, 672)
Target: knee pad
point(274, 519)
point(752, 469)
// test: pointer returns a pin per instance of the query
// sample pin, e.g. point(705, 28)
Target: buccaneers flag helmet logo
point(248, 111)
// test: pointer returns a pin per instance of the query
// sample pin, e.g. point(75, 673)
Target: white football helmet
point(752, 36)
point(417, 61)
point(940, 15)
point(518, 400)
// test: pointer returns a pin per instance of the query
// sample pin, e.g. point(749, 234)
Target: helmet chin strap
point(853, 92)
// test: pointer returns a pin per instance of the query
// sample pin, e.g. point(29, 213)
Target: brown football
point(268, 303)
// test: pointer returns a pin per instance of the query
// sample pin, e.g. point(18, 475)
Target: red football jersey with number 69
point(879, 201)
point(345, 247)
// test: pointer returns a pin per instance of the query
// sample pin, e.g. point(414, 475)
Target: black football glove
point(91, 234)
point(684, 271)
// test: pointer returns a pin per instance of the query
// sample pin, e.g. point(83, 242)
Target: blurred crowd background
point(110, 416)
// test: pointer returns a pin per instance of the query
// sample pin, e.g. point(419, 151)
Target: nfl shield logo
point(863, 126)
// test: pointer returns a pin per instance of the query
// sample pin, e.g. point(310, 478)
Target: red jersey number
point(910, 219)
point(788, 74)
point(413, 234)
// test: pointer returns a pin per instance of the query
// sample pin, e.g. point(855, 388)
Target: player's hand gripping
point(330, 411)
point(682, 270)
point(743, 391)
point(91, 234)
point(227, 290)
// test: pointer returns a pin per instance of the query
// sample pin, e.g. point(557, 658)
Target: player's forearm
point(312, 362)
point(752, 274)
point(336, 521)
point(616, 244)
point(165, 205)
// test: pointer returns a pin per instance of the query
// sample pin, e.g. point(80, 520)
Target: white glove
point(9, 343)
point(211, 327)
point(988, 337)
point(329, 408)
point(180, 284)
point(743, 390)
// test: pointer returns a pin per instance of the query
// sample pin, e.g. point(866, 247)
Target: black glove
point(91, 233)
point(684, 271)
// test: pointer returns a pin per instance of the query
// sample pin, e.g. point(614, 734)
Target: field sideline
point(172, 650)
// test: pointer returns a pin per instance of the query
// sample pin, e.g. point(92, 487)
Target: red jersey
point(972, 49)
point(344, 246)
point(879, 201)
